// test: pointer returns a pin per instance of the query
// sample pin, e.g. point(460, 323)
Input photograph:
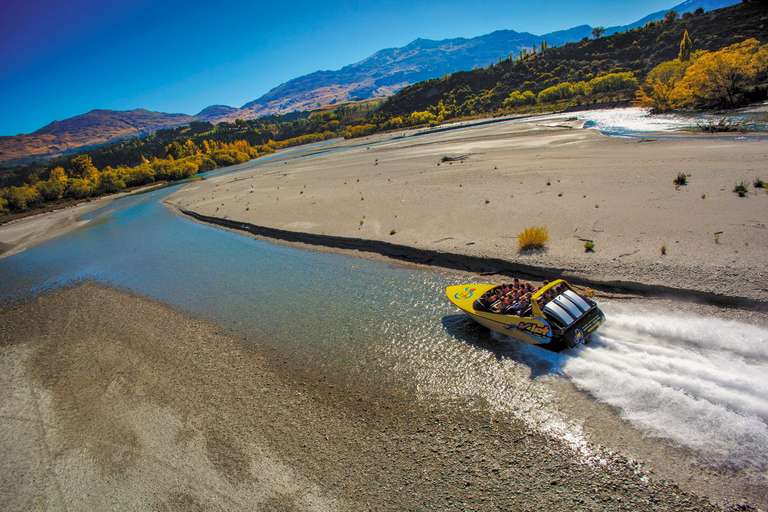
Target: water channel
point(692, 377)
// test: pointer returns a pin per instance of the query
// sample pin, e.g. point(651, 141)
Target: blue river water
point(699, 382)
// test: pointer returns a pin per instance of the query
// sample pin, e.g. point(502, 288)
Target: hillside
point(95, 128)
point(637, 50)
point(687, 6)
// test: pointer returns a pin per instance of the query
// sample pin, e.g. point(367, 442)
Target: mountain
point(215, 113)
point(86, 130)
point(687, 6)
point(381, 74)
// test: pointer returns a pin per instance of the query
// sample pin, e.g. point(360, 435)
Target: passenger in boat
point(519, 306)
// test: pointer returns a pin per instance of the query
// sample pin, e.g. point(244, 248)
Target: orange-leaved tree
point(724, 79)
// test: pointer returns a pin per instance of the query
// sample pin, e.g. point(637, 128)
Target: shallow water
point(698, 382)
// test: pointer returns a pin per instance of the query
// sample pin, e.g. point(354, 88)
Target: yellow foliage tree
point(57, 175)
point(658, 90)
point(723, 79)
point(685, 48)
point(82, 167)
point(190, 149)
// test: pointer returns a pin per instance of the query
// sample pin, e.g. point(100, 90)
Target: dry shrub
point(532, 239)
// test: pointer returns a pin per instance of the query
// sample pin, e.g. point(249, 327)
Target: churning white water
point(700, 382)
point(639, 121)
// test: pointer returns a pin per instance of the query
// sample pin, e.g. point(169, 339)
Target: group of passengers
point(515, 298)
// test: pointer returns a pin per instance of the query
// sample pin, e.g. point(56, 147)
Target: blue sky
point(60, 59)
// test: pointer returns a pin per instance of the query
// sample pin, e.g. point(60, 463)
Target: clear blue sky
point(60, 59)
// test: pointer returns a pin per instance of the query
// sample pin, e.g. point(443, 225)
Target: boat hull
point(536, 329)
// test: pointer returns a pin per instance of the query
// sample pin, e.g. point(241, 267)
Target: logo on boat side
point(467, 293)
point(578, 336)
point(539, 331)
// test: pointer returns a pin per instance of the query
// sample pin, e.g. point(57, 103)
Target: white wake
point(701, 382)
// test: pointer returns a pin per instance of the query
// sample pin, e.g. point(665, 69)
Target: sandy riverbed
point(616, 192)
point(150, 409)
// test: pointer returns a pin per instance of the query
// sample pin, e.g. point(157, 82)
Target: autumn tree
point(57, 174)
point(174, 150)
point(190, 149)
point(82, 167)
point(685, 48)
point(50, 190)
point(724, 79)
point(109, 182)
point(658, 90)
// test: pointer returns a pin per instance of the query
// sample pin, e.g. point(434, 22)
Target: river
point(660, 378)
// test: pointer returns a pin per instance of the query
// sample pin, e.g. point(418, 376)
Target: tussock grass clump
point(394, 231)
point(682, 179)
point(532, 239)
point(741, 189)
point(589, 246)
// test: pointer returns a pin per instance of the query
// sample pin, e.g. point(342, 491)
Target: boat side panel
point(529, 330)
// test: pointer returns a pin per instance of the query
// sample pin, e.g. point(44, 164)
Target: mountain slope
point(86, 130)
point(687, 6)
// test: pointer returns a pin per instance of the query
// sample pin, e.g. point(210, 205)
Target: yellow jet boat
point(566, 320)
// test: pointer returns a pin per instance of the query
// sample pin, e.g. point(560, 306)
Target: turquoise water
point(304, 301)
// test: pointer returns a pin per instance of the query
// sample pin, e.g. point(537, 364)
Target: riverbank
point(153, 409)
point(459, 198)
